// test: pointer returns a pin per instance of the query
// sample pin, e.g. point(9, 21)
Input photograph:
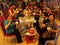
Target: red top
point(13, 17)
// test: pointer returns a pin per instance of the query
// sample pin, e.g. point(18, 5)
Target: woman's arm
point(7, 25)
point(54, 31)
point(12, 14)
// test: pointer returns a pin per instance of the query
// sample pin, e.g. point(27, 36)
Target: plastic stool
point(30, 38)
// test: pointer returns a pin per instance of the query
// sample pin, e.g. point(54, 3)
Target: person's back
point(10, 29)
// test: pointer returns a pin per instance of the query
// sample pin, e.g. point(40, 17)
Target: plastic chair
point(8, 37)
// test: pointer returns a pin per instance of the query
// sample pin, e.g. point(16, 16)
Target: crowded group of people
point(43, 15)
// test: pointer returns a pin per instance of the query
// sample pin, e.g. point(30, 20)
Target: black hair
point(46, 14)
point(11, 5)
point(50, 15)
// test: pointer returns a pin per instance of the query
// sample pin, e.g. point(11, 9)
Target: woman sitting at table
point(48, 31)
point(12, 11)
point(11, 29)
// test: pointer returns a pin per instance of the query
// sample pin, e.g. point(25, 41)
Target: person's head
point(44, 4)
point(12, 6)
point(35, 6)
point(51, 17)
point(48, 11)
point(20, 6)
point(30, 2)
point(26, 7)
point(41, 13)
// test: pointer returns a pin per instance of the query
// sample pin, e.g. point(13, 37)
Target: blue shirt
point(10, 29)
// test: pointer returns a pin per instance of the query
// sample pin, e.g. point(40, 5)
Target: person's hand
point(16, 22)
point(15, 11)
point(34, 13)
point(49, 29)
point(43, 25)
point(10, 21)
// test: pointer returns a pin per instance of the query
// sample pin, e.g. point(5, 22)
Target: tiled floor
point(7, 41)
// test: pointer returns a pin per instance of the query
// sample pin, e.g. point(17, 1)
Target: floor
point(12, 40)
point(7, 41)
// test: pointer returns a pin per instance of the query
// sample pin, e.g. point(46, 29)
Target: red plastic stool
point(30, 38)
point(30, 35)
